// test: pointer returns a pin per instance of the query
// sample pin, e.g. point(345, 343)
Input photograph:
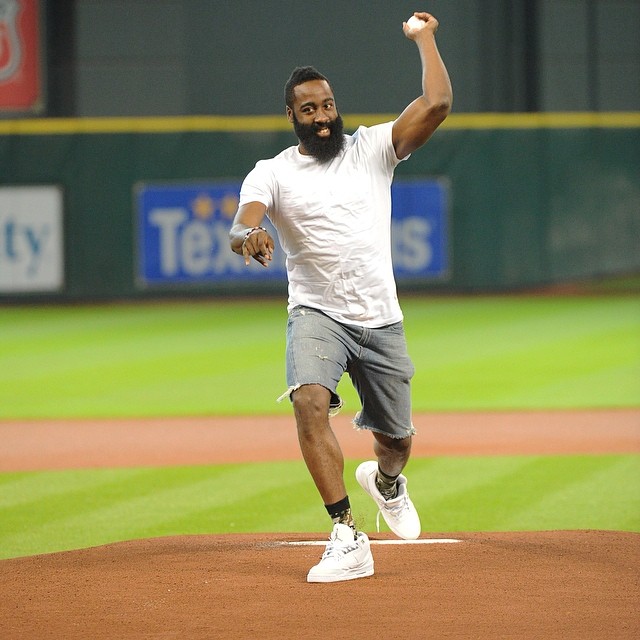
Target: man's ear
point(289, 113)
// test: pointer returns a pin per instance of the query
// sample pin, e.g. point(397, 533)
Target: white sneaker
point(399, 512)
point(344, 558)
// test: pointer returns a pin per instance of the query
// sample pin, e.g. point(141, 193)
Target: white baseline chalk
point(309, 543)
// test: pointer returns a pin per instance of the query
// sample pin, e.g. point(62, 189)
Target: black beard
point(322, 149)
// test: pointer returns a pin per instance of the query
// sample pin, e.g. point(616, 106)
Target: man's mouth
point(323, 130)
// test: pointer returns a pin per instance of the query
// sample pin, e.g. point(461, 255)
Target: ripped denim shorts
point(320, 350)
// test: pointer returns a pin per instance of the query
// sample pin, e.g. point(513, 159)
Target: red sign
point(19, 55)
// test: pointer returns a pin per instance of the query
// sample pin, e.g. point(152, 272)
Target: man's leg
point(393, 453)
point(384, 482)
point(320, 448)
point(348, 553)
point(314, 356)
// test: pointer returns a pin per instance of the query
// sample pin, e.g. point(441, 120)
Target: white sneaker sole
point(353, 574)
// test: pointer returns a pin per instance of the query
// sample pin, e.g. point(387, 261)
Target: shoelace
point(395, 510)
point(338, 550)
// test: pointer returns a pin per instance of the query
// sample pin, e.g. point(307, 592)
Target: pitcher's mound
point(559, 584)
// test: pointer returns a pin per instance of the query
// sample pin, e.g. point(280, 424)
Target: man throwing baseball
point(329, 198)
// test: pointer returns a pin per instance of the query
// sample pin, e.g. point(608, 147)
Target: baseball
point(414, 23)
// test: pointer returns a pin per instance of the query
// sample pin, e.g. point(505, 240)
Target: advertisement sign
point(183, 234)
point(31, 243)
point(20, 83)
point(420, 229)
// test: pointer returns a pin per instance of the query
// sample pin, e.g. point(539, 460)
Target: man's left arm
point(421, 118)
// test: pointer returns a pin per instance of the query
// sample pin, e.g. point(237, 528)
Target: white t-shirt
point(334, 225)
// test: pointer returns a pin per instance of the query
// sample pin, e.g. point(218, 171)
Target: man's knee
point(311, 402)
point(393, 445)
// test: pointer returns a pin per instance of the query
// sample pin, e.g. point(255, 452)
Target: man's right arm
point(248, 238)
point(421, 118)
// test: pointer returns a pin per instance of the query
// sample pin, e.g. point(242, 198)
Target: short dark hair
point(298, 76)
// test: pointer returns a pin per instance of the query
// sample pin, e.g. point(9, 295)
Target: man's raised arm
point(421, 118)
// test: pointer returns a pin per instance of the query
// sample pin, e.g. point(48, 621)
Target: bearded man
point(329, 198)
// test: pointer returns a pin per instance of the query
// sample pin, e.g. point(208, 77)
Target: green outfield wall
point(533, 199)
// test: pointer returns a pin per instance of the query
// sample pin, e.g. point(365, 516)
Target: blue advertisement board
point(183, 234)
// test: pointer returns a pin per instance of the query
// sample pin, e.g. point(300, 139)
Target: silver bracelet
point(250, 231)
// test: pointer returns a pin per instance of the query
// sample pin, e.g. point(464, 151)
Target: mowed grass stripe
point(102, 506)
point(137, 361)
point(603, 496)
point(532, 492)
point(205, 357)
point(505, 353)
point(602, 369)
point(51, 511)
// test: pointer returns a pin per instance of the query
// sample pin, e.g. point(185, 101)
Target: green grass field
point(227, 358)
point(52, 511)
point(222, 357)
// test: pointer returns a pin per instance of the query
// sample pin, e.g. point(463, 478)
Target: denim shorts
point(320, 350)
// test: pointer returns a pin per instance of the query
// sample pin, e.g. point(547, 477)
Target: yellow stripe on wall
point(551, 120)
point(238, 124)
